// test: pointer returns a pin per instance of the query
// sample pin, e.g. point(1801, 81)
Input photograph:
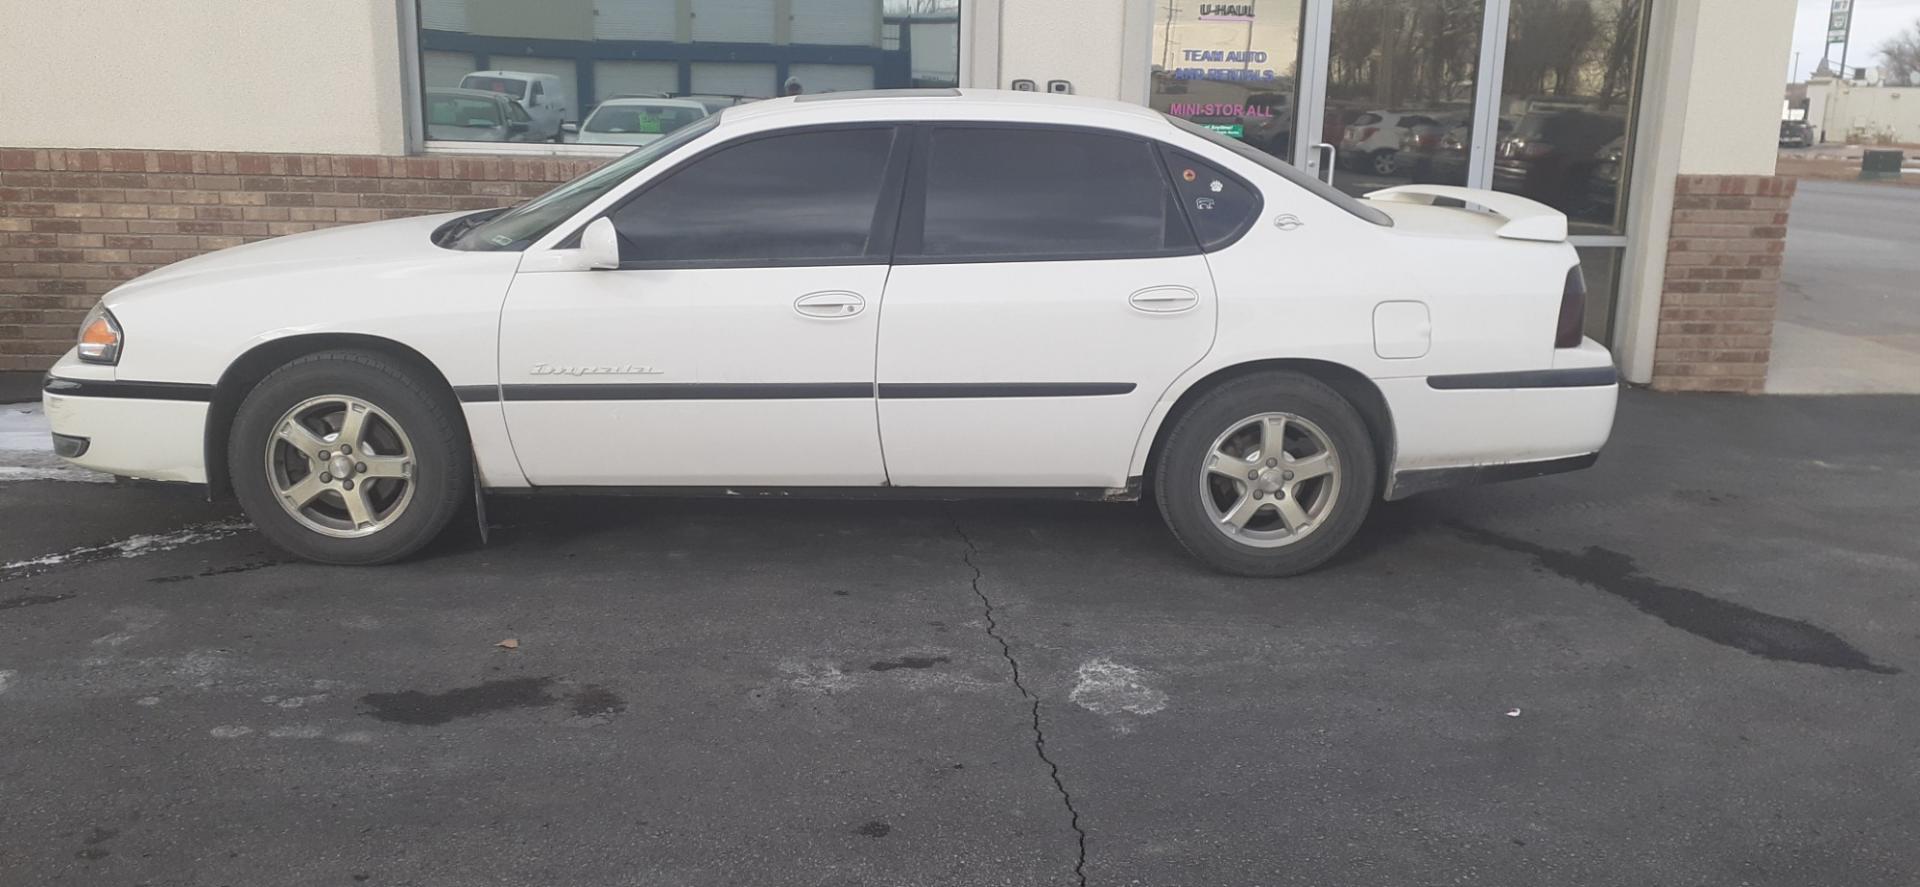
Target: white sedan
point(927, 293)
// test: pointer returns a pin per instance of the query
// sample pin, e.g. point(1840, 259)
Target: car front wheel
point(1269, 474)
point(347, 457)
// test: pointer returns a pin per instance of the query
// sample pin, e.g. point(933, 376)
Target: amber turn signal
point(100, 338)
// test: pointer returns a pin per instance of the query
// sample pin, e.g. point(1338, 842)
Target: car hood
point(369, 243)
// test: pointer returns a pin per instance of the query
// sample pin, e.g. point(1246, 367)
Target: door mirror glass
point(599, 246)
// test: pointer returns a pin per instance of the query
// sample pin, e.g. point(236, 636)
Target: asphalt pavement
point(1692, 664)
point(1849, 310)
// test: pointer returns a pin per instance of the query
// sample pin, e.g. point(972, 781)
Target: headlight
point(100, 337)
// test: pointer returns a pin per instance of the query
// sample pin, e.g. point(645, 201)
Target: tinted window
point(1043, 193)
point(1220, 207)
point(806, 196)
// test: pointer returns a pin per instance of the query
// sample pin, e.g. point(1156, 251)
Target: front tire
point(349, 457)
point(1269, 474)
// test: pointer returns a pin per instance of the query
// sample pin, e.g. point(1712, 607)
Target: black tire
point(1180, 481)
point(442, 459)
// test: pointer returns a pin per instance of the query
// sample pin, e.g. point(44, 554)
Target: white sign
point(1838, 21)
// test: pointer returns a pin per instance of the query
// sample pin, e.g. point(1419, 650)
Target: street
point(1849, 319)
point(1691, 664)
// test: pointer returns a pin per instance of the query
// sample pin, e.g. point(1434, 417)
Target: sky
point(1873, 22)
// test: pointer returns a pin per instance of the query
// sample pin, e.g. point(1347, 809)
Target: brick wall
point(1722, 280)
point(77, 223)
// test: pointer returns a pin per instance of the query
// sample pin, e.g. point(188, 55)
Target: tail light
point(1573, 310)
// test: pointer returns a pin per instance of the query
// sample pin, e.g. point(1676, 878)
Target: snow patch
point(1106, 687)
point(23, 427)
point(6, 679)
point(132, 546)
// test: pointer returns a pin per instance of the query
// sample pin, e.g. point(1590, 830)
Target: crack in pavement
point(1039, 735)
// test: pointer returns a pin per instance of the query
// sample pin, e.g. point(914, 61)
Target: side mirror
point(516, 128)
point(599, 246)
point(570, 127)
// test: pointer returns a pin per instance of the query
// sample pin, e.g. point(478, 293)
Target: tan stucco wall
point(1732, 117)
point(204, 75)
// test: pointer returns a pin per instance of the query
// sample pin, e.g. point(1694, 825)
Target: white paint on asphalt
point(1106, 687)
point(229, 731)
point(132, 546)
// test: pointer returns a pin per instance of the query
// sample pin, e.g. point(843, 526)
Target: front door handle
point(830, 303)
point(1164, 299)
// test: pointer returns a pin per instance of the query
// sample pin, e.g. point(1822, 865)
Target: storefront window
point(512, 71)
point(1231, 67)
point(1400, 82)
point(1600, 267)
point(1567, 105)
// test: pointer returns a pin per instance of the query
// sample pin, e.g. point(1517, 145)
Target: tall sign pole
point(1840, 30)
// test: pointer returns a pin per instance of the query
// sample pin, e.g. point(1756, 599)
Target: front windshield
point(646, 119)
point(519, 227)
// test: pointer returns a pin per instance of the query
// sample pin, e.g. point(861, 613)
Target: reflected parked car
point(543, 95)
point(1603, 187)
point(1372, 141)
point(1552, 152)
point(637, 121)
point(1797, 134)
point(469, 115)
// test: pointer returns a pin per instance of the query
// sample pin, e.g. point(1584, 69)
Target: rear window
point(502, 85)
point(1291, 173)
point(446, 110)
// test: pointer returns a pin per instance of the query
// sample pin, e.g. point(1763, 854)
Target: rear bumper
point(123, 431)
point(1485, 427)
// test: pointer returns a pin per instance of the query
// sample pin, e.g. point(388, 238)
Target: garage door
point(727, 78)
point(615, 78)
point(443, 15)
point(733, 21)
point(561, 68)
point(632, 20)
point(837, 22)
point(831, 78)
point(444, 68)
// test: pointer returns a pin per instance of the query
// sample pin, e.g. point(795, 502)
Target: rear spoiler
point(1526, 219)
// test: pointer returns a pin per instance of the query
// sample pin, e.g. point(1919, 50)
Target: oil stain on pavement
point(907, 662)
point(420, 709)
point(1722, 622)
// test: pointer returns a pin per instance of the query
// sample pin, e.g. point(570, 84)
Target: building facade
point(152, 134)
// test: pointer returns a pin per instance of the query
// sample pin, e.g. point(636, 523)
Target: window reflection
point(1400, 84)
point(1229, 66)
point(557, 60)
point(1567, 99)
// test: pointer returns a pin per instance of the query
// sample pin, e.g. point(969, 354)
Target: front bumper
point(155, 438)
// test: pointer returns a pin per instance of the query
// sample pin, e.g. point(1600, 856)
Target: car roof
point(651, 102)
point(469, 93)
point(524, 75)
point(943, 104)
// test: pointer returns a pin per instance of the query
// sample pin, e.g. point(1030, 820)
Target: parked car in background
point(1551, 154)
point(1797, 134)
point(716, 103)
point(1603, 186)
point(542, 95)
point(704, 315)
point(1371, 142)
point(470, 115)
point(637, 121)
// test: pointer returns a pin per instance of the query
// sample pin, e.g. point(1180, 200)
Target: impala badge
point(549, 369)
point(1287, 221)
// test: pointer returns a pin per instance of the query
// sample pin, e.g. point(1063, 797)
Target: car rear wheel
point(346, 457)
point(1267, 475)
point(1384, 163)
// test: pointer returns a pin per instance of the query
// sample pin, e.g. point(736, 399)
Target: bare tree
point(1900, 56)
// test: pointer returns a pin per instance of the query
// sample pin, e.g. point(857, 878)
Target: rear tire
point(397, 469)
point(1269, 474)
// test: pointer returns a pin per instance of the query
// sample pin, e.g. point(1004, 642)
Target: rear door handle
point(1164, 299)
point(830, 303)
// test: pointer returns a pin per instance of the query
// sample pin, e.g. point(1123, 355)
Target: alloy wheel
point(340, 466)
point(1270, 480)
